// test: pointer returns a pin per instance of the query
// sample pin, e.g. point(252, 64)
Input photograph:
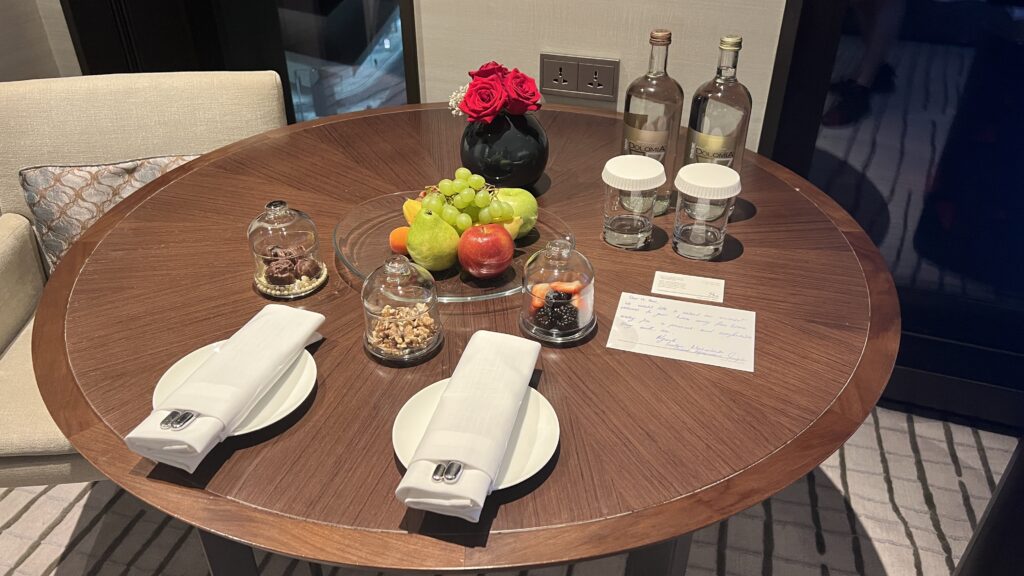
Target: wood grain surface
point(650, 449)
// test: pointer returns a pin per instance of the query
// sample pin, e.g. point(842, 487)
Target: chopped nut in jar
point(401, 330)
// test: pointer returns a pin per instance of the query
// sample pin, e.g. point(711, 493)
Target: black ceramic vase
point(510, 152)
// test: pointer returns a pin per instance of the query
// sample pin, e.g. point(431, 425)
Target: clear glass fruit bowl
point(361, 245)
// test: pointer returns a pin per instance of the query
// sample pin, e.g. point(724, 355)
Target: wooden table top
point(651, 448)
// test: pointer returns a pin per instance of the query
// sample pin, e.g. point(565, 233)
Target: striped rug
point(901, 497)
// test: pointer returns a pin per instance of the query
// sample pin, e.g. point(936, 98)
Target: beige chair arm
point(21, 276)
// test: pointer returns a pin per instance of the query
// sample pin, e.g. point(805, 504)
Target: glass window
point(921, 143)
point(342, 55)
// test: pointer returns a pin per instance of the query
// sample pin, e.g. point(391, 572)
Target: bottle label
point(652, 143)
point(702, 147)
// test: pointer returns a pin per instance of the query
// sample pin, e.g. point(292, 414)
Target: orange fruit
point(580, 304)
point(537, 293)
point(397, 240)
point(574, 287)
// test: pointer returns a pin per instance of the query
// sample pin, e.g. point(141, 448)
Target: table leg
point(227, 557)
point(665, 559)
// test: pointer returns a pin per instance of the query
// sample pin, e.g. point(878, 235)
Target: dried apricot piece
point(397, 240)
point(574, 287)
point(540, 290)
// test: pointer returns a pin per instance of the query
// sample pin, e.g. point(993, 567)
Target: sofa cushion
point(21, 276)
point(38, 470)
point(26, 428)
point(66, 200)
point(103, 118)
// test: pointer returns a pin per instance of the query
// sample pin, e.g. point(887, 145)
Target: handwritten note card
point(686, 286)
point(684, 330)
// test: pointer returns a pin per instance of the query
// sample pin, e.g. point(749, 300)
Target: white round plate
point(287, 394)
point(534, 437)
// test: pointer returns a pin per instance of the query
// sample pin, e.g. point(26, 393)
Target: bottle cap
point(731, 42)
point(633, 172)
point(708, 181)
point(661, 37)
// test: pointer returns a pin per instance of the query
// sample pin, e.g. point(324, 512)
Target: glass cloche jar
point(558, 294)
point(285, 245)
point(400, 305)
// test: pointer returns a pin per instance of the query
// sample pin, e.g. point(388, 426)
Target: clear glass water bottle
point(652, 114)
point(720, 113)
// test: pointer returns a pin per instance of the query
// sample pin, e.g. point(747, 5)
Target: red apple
point(486, 251)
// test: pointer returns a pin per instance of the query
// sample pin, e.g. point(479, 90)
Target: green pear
point(432, 242)
point(524, 205)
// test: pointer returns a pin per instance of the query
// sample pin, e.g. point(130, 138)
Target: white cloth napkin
point(472, 424)
point(226, 386)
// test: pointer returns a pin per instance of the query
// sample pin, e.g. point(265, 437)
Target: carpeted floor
point(902, 497)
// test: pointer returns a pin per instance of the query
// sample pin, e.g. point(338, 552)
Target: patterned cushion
point(66, 200)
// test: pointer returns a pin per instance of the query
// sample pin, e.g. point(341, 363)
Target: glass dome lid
point(280, 222)
point(558, 294)
point(399, 282)
point(286, 249)
point(401, 311)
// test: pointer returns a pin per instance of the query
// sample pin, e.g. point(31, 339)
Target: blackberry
point(565, 317)
point(556, 296)
point(542, 318)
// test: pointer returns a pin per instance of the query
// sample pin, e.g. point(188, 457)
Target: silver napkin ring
point(447, 472)
point(178, 420)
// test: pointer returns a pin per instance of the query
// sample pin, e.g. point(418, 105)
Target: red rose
point(484, 99)
point(492, 68)
point(522, 93)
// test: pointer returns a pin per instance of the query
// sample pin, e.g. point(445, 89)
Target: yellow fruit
point(410, 209)
point(513, 226)
point(523, 204)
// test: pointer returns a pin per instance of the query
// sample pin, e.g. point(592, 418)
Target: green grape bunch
point(466, 200)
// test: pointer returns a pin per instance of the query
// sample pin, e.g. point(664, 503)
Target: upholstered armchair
point(92, 120)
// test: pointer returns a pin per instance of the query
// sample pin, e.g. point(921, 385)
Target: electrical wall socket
point(599, 77)
point(558, 74)
point(579, 77)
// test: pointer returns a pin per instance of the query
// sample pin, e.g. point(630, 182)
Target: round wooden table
point(650, 449)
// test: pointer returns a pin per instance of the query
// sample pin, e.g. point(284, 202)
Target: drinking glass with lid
point(707, 194)
point(631, 187)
